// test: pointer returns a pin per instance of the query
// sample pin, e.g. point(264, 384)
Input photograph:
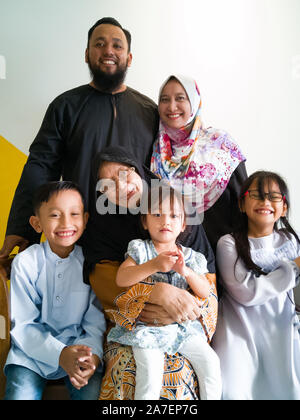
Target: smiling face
point(121, 184)
point(263, 213)
point(174, 105)
point(108, 55)
point(62, 219)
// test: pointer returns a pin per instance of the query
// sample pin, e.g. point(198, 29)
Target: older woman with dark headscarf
point(123, 306)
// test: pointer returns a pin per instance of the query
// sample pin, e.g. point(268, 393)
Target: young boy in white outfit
point(57, 322)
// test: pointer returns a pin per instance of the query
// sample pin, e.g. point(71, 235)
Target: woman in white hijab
point(204, 163)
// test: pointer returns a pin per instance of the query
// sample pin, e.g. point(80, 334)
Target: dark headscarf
point(120, 154)
point(107, 236)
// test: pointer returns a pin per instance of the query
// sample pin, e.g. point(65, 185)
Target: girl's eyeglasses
point(275, 197)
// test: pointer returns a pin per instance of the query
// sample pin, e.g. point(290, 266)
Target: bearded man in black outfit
point(80, 123)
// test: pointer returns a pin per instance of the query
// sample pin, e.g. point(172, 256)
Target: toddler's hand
point(180, 266)
point(165, 261)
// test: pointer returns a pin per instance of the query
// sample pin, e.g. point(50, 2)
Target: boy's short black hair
point(46, 191)
point(110, 21)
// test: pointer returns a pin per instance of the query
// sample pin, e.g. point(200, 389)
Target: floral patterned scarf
point(195, 160)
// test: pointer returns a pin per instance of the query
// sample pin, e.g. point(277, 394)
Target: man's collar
point(119, 90)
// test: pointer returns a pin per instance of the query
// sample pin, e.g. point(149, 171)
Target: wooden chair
point(4, 330)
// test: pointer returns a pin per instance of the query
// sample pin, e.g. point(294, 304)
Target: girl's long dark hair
point(240, 234)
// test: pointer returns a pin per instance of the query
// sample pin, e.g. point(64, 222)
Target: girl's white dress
point(258, 331)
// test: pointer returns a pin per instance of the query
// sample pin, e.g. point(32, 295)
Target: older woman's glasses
point(120, 177)
point(275, 197)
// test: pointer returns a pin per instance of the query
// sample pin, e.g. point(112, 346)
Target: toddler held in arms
point(162, 258)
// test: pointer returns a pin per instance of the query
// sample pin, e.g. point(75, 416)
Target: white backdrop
point(244, 54)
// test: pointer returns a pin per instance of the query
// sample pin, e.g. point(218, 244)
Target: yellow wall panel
point(12, 161)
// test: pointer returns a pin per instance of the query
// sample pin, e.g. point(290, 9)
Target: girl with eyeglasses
point(257, 337)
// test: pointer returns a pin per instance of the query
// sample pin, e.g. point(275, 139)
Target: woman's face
point(174, 105)
point(121, 184)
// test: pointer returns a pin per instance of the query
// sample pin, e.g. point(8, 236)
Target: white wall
point(245, 55)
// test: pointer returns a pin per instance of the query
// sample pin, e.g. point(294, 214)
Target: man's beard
point(108, 82)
